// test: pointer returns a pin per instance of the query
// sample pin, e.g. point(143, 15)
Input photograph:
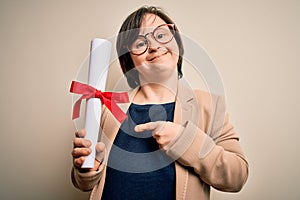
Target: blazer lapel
point(186, 108)
point(125, 106)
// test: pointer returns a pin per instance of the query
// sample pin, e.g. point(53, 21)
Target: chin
point(158, 73)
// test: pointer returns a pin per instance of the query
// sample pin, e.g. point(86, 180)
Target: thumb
point(100, 151)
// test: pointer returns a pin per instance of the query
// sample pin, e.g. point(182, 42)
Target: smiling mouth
point(157, 57)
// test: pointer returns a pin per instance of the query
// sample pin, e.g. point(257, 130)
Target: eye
point(160, 36)
point(140, 44)
point(163, 34)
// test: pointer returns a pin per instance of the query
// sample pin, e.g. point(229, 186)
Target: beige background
point(255, 45)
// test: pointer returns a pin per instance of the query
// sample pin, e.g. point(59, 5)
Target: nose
point(153, 45)
point(152, 49)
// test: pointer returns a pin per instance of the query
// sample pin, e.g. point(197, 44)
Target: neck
point(157, 93)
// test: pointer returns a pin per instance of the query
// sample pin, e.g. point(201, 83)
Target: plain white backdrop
point(255, 45)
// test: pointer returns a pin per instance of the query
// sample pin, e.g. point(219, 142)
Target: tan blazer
point(207, 151)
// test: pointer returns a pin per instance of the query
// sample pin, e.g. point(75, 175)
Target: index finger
point(80, 133)
point(147, 126)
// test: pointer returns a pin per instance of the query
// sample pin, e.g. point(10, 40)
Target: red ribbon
point(109, 99)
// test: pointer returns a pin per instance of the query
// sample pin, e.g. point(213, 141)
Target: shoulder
point(212, 109)
point(209, 100)
point(204, 98)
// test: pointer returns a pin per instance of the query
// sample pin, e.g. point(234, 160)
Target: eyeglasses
point(163, 34)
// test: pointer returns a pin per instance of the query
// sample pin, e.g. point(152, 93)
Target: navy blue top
point(137, 168)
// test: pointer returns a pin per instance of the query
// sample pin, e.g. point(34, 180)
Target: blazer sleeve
point(216, 156)
point(86, 181)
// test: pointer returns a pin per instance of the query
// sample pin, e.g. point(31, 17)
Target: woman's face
point(159, 62)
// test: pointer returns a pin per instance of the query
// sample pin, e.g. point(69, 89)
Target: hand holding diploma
point(82, 148)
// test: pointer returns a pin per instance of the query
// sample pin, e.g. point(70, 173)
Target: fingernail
point(136, 128)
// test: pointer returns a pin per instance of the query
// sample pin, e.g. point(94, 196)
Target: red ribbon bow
point(109, 99)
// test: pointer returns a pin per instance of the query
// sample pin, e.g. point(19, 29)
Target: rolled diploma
point(98, 68)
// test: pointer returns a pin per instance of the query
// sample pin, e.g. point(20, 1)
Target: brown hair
point(129, 31)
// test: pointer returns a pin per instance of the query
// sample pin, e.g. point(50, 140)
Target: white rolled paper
point(98, 68)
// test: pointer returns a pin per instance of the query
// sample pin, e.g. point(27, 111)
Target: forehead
point(151, 21)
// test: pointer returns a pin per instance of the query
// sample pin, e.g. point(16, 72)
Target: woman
point(176, 142)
